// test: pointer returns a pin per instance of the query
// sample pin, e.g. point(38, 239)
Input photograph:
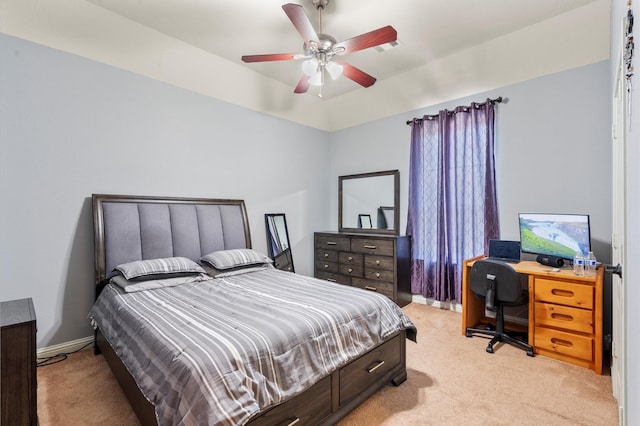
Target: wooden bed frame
point(326, 402)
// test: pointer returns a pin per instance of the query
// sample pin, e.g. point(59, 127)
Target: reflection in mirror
point(368, 202)
point(278, 241)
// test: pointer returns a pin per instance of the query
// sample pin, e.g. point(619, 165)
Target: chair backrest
point(505, 279)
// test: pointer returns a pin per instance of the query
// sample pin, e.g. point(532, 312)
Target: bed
point(238, 342)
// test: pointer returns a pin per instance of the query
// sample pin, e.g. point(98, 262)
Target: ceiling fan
point(321, 51)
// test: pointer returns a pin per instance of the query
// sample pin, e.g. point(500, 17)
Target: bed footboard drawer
point(307, 409)
point(369, 369)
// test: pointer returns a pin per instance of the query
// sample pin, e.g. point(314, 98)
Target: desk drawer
point(365, 371)
point(564, 293)
point(574, 345)
point(372, 246)
point(564, 317)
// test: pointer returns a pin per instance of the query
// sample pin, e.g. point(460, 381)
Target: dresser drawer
point(334, 277)
point(322, 265)
point(333, 242)
point(564, 293)
point(307, 409)
point(372, 246)
point(368, 369)
point(559, 316)
point(346, 258)
point(379, 262)
point(351, 270)
point(378, 275)
point(327, 255)
point(574, 345)
point(380, 287)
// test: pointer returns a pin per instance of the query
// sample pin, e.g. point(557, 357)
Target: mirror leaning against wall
point(278, 241)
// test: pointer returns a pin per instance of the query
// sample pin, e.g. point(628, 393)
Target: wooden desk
point(565, 312)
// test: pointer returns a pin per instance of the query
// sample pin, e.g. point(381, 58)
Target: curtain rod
point(493, 101)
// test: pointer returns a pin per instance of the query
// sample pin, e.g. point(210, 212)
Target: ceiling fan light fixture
point(310, 67)
point(316, 79)
point(334, 69)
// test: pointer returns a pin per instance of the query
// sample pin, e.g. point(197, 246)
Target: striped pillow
point(154, 267)
point(227, 259)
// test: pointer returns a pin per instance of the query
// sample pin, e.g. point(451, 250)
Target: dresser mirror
point(369, 203)
point(278, 241)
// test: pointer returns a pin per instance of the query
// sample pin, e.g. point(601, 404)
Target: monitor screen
point(560, 235)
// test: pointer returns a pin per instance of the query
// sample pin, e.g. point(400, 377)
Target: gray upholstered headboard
point(128, 228)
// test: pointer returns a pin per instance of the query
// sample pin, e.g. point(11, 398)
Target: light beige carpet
point(451, 380)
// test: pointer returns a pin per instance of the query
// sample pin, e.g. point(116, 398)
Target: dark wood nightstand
point(18, 363)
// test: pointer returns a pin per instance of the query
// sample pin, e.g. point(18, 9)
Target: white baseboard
point(65, 347)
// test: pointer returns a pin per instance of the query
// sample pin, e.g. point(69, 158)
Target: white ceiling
point(447, 49)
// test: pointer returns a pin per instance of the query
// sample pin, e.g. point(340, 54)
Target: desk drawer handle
point(562, 293)
point(368, 287)
point(561, 317)
point(369, 247)
point(294, 421)
point(375, 367)
point(331, 243)
point(561, 342)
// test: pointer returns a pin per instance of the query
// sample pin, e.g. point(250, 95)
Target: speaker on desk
point(545, 259)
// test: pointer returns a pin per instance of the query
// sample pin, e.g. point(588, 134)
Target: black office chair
point(499, 285)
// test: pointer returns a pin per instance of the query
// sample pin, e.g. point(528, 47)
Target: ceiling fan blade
point(364, 41)
point(296, 14)
point(303, 85)
point(272, 57)
point(356, 74)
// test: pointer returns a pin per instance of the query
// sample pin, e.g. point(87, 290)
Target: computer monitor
point(560, 235)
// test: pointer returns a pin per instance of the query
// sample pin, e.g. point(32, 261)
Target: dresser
point(373, 262)
point(565, 316)
point(18, 363)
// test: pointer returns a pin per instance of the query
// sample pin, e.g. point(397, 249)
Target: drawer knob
point(369, 247)
point(377, 274)
point(377, 262)
point(293, 422)
point(368, 287)
point(375, 367)
point(326, 255)
point(326, 266)
point(350, 258)
point(350, 270)
point(561, 342)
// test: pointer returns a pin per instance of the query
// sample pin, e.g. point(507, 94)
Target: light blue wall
point(553, 150)
point(70, 127)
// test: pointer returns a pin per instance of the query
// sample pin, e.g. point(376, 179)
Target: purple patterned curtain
point(453, 209)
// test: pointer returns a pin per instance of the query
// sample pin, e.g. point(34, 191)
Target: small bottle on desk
point(590, 265)
point(578, 264)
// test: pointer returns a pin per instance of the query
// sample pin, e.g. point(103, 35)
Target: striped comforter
point(221, 351)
